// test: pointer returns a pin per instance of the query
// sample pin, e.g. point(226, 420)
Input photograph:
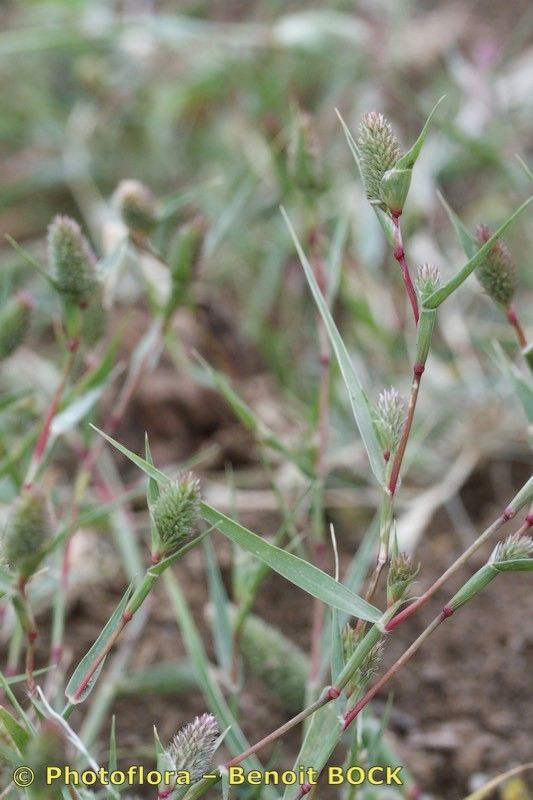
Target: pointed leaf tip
point(408, 160)
point(359, 402)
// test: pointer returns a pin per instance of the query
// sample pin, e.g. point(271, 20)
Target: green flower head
point(193, 747)
point(72, 260)
point(176, 513)
point(137, 206)
point(496, 273)
point(14, 321)
point(27, 532)
point(379, 151)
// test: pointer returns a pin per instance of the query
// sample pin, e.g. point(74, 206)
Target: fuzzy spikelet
point(27, 532)
point(379, 150)
point(402, 573)
point(389, 416)
point(72, 260)
point(427, 280)
point(496, 273)
point(137, 206)
point(14, 320)
point(513, 548)
point(176, 513)
point(274, 660)
point(193, 747)
point(368, 667)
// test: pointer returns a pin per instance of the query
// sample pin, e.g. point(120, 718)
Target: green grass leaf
point(77, 688)
point(29, 259)
point(359, 402)
point(352, 144)
point(14, 729)
point(322, 736)
point(303, 574)
point(216, 702)
point(463, 234)
point(222, 628)
point(142, 463)
point(296, 570)
point(337, 653)
point(438, 297)
point(522, 384)
point(408, 160)
point(111, 792)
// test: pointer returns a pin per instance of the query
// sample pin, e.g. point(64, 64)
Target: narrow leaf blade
point(408, 160)
point(143, 465)
point(78, 689)
point(358, 400)
point(14, 729)
point(303, 574)
point(463, 234)
point(438, 297)
point(222, 630)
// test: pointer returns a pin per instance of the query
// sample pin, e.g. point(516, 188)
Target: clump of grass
point(332, 687)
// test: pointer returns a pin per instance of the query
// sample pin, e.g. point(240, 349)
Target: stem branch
point(463, 558)
point(353, 712)
point(418, 370)
point(399, 255)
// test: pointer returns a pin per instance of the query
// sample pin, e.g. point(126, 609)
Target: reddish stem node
point(399, 255)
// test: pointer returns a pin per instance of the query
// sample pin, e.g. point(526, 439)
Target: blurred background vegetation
point(200, 100)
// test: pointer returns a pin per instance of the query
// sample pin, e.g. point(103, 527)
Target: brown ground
point(463, 706)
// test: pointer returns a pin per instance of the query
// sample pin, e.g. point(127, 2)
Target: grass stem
point(399, 255)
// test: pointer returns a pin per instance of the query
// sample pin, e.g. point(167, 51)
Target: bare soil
point(463, 706)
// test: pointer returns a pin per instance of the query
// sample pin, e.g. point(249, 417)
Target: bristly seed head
point(176, 513)
point(401, 575)
point(193, 747)
point(136, 205)
point(27, 532)
point(379, 151)
point(496, 273)
point(72, 259)
point(14, 321)
point(389, 417)
point(368, 667)
point(427, 280)
point(515, 547)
